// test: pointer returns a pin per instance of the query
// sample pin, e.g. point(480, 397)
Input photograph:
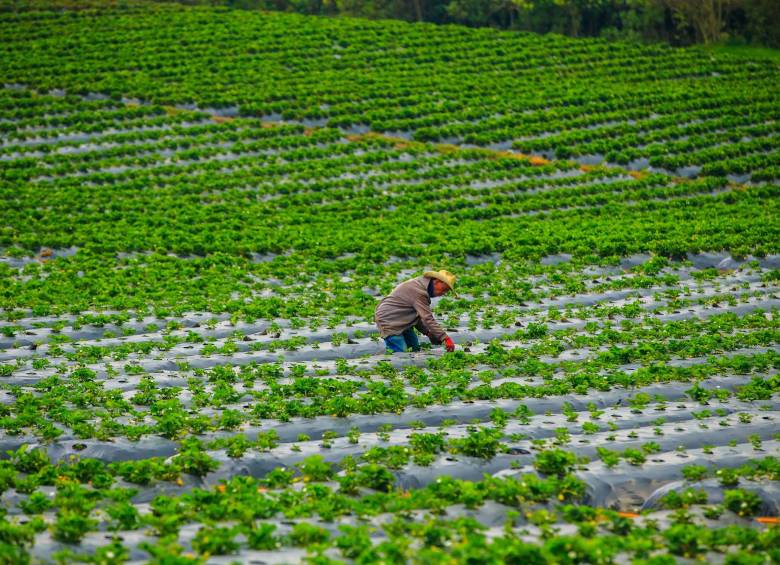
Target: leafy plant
point(555, 462)
point(315, 468)
point(71, 526)
point(742, 502)
point(479, 442)
point(693, 473)
point(215, 541)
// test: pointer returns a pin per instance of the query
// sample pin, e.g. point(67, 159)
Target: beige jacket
point(408, 305)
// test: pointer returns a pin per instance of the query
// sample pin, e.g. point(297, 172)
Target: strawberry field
point(201, 208)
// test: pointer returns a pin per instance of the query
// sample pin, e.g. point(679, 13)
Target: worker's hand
point(449, 344)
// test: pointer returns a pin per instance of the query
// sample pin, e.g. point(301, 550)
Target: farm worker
point(409, 307)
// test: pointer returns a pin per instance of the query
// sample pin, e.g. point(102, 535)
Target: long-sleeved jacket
point(408, 305)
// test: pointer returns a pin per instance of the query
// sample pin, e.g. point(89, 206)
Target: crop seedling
point(555, 462)
point(742, 502)
point(327, 439)
point(353, 435)
point(479, 442)
point(304, 534)
point(674, 500)
point(215, 541)
point(693, 473)
point(315, 468)
point(634, 456)
point(71, 526)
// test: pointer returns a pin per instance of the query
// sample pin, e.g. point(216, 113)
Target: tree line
point(679, 22)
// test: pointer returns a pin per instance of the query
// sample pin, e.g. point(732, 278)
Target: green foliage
point(215, 541)
point(479, 442)
point(693, 473)
point(742, 502)
point(684, 499)
point(315, 468)
point(304, 534)
point(555, 462)
point(223, 253)
point(193, 460)
point(376, 477)
point(71, 526)
point(36, 503)
point(609, 457)
point(353, 541)
point(262, 538)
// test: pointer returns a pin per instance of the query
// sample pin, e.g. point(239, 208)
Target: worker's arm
point(421, 327)
point(430, 326)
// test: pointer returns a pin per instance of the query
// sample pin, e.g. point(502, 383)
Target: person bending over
point(409, 307)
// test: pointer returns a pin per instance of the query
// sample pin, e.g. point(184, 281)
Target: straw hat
point(444, 276)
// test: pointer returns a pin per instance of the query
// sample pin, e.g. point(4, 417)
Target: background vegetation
point(681, 22)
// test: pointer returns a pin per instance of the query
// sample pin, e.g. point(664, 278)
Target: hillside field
point(202, 206)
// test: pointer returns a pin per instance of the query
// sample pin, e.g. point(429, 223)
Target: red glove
point(449, 344)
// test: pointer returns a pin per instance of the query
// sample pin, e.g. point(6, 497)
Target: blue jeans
point(399, 343)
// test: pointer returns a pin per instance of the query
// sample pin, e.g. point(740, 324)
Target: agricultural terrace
point(201, 208)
